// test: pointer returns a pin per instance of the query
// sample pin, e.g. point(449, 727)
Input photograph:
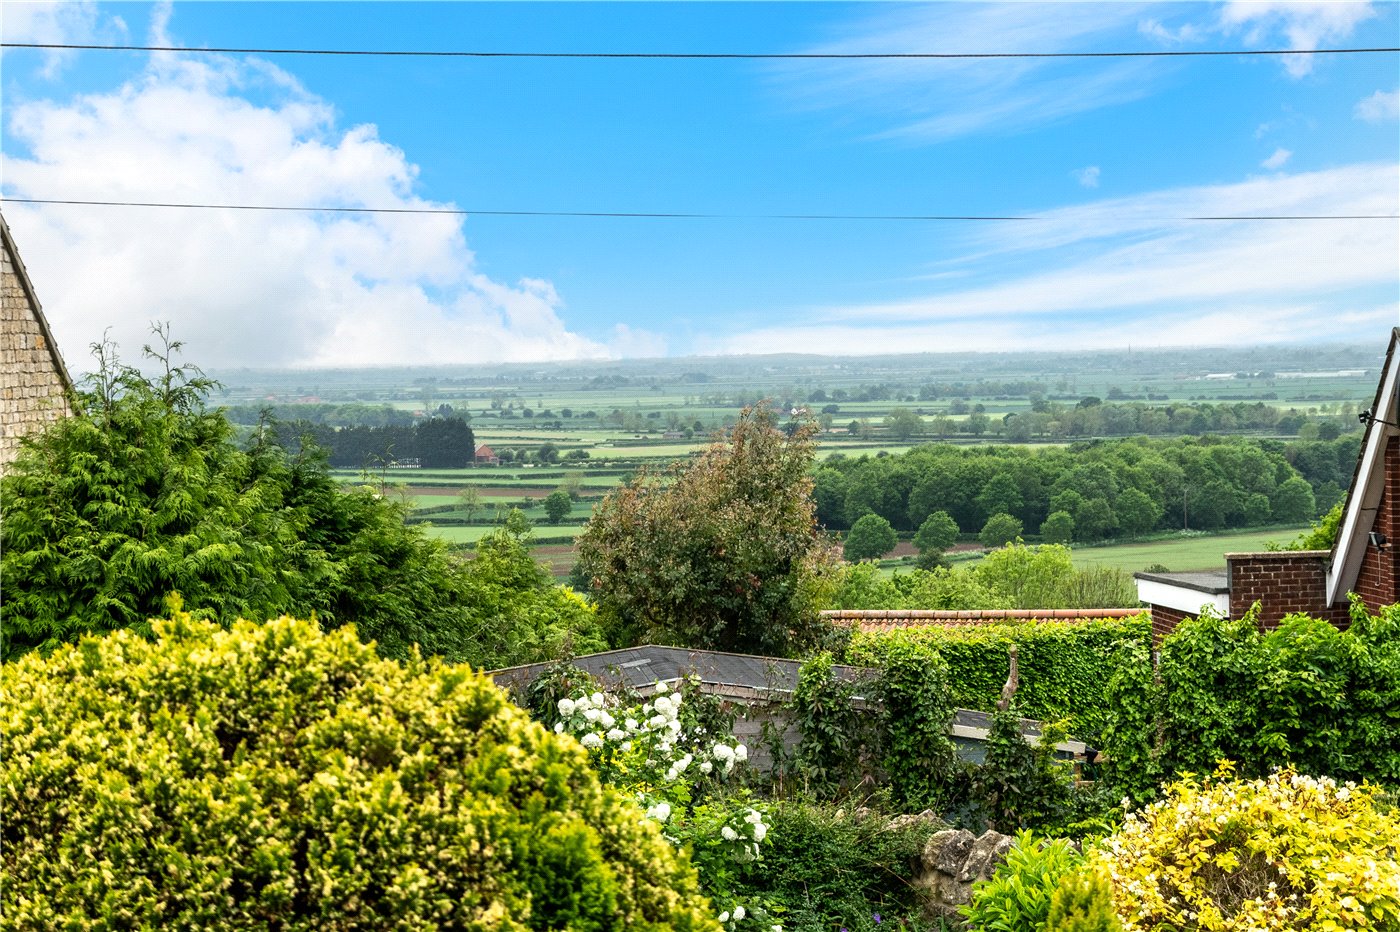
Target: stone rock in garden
point(946, 850)
point(986, 854)
point(903, 821)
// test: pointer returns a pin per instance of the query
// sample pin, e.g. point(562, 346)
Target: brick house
point(1363, 559)
point(485, 456)
point(34, 384)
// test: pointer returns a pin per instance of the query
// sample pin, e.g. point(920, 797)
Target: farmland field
point(1187, 553)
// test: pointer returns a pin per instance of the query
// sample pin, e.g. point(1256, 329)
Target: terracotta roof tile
point(884, 619)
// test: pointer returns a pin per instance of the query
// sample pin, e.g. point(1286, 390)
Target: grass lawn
point(1187, 553)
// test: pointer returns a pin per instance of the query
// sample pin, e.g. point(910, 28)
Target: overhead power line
point(647, 215)
point(698, 56)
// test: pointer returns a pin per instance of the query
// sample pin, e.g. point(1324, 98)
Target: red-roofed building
point(890, 619)
point(485, 456)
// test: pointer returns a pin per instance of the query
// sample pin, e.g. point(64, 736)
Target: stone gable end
point(34, 385)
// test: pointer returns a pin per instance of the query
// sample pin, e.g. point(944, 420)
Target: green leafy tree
point(557, 505)
point(721, 552)
point(1294, 501)
point(272, 776)
point(469, 500)
point(1136, 512)
point(870, 538)
point(1000, 529)
point(938, 532)
point(144, 494)
point(1058, 528)
point(903, 423)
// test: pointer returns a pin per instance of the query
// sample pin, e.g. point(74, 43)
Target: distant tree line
point(1089, 491)
point(437, 443)
point(336, 415)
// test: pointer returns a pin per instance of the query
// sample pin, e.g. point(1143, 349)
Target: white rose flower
point(728, 833)
point(566, 707)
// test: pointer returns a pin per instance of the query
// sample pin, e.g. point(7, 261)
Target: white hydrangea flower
point(607, 720)
point(706, 766)
point(723, 752)
point(592, 715)
point(627, 745)
point(591, 740)
point(738, 913)
point(728, 834)
point(566, 707)
point(597, 700)
point(616, 734)
point(760, 831)
point(661, 687)
point(741, 752)
point(660, 812)
point(753, 816)
point(724, 916)
point(558, 728)
point(630, 724)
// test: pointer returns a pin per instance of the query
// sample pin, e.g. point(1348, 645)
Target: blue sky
point(1107, 154)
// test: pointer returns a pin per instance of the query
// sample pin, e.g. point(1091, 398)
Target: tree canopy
point(721, 552)
point(143, 493)
point(870, 538)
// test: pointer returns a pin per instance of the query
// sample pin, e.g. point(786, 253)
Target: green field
point(1186, 553)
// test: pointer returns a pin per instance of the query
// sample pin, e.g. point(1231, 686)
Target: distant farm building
point(485, 456)
point(34, 384)
point(1364, 559)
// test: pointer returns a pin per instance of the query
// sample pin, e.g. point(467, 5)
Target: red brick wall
point(1282, 583)
point(1376, 581)
point(1165, 620)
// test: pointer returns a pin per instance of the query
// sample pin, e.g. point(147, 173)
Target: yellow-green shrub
point(271, 776)
point(1278, 853)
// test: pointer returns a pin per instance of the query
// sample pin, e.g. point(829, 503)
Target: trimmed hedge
point(1065, 667)
point(271, 776)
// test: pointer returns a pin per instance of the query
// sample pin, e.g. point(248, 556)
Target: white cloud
point(941, 99)
point(58, 22)
point(1087, 177)
point(1304, 24)
point(255, 288)
point(1155, 30)
point(1379, 107)
point(1122, 271)
point(1277, 160)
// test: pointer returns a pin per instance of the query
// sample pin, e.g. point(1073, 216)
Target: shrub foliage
point(1278, 853)
point(722, 552)
point(270, 776)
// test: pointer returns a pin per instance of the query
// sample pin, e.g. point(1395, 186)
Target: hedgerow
point(1324, 700)
point(271, 776)
point(1065, 668)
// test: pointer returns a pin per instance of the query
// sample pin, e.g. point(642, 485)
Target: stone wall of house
point(1376, 580)
point(1282, 582)
point(33, 390)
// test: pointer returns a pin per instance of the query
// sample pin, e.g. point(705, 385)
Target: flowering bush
point(645, 749)
point(1278, 853)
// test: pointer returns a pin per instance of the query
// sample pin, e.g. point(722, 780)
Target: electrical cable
point(643, 215)
point(699, 56)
